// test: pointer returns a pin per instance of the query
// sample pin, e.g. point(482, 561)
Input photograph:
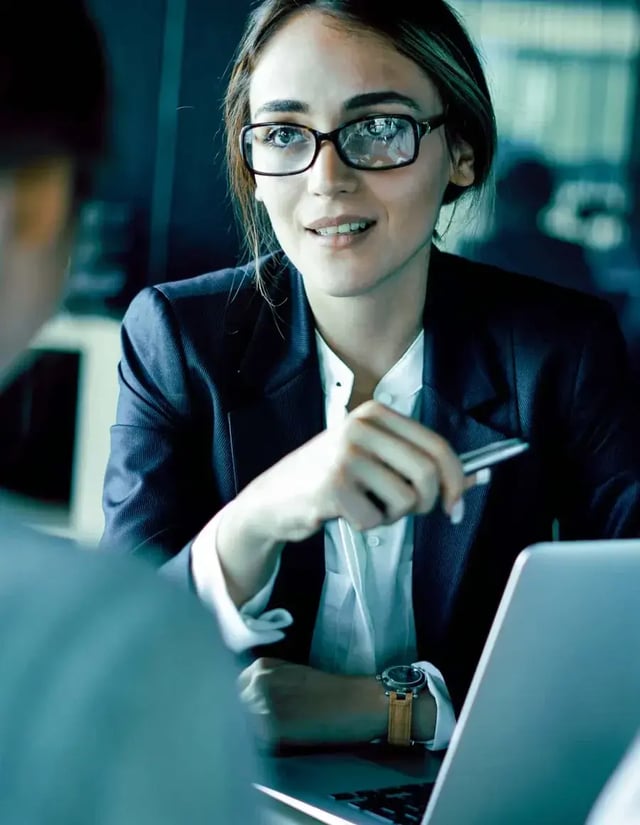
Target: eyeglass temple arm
point(434, 122)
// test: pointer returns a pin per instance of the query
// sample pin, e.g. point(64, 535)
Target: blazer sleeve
point(603, 437)
point(157, 491)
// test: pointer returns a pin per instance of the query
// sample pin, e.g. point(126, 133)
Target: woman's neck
point(370, 333)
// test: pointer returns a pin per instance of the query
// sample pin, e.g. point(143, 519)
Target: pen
point(492, 454)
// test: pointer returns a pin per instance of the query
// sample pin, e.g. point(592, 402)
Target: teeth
point(343, 228)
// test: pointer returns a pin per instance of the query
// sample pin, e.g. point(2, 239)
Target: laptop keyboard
point(402, 805)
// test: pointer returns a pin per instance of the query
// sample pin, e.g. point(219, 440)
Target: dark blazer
point(217, 385)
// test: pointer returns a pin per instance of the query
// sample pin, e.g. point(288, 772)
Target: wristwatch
point(402, 684)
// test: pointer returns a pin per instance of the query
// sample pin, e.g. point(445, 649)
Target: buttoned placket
point(353, 548)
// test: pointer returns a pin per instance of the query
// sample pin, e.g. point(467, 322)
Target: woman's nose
point(329, 174)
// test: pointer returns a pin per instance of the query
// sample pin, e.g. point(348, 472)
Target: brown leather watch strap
point(400, 707)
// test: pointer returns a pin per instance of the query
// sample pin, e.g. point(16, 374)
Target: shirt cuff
point(445, 717)
point(242, 628)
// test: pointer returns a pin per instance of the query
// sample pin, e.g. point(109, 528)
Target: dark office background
point(168, 59)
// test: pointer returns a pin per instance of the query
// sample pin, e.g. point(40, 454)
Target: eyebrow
point(356, 102)
point(276, 106)
point(373, 98)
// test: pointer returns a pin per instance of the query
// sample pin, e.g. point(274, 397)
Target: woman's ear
point(462, 171)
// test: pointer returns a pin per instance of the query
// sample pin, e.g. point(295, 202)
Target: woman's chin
point(348, 286)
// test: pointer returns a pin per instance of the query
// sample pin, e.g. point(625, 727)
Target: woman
point(305, 432)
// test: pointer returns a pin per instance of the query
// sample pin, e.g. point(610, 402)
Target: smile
point(343, 229)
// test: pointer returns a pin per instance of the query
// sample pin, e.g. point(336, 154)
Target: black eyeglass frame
point(420, 129)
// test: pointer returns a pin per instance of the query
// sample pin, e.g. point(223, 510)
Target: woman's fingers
point(421, 451)
point(478, 479)
point(418, 472)
point(357, 507)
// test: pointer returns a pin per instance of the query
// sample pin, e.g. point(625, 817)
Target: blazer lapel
point(282, 408)
point(281, 405)
point(465, 398)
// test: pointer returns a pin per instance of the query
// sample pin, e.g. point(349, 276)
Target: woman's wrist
point(247, 555)
point(370, 698)
point(353, 710)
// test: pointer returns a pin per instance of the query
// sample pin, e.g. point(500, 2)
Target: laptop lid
point(555, 699)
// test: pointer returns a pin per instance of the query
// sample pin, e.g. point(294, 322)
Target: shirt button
point(385, 398)
point(373, 541)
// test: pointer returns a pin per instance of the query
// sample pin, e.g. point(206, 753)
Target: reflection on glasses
point(377, 142)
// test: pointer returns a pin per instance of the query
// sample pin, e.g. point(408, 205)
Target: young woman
point(288, 432)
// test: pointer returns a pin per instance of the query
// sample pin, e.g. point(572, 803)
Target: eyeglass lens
point(371, 143)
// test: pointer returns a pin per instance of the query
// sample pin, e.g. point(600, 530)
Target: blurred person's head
point(52, 131)
point(523, 191)
point(323, 52)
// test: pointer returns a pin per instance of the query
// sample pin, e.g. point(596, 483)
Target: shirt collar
point(402, 381)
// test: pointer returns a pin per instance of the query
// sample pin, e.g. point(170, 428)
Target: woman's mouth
point(351, 228)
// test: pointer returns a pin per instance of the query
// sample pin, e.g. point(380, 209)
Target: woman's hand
point(296, 704)
point(375, 468)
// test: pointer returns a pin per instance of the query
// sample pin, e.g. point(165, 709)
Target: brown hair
point(429, 33)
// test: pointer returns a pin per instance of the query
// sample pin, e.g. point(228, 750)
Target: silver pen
point(492, 454)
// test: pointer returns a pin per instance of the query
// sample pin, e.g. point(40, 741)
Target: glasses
point(373, 143)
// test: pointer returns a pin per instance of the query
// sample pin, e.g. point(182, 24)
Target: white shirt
point(365, 619)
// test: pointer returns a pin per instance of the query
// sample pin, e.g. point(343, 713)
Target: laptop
point(552, 707)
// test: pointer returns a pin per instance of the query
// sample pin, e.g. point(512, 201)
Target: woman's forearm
point(247, 557)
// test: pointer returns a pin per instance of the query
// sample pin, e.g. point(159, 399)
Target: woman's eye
point(383, 128)
point(283, 136)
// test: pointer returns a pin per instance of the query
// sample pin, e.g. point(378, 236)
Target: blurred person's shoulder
point(42, 566)
point(121, 690)
point(71, 589)
point(619, 801)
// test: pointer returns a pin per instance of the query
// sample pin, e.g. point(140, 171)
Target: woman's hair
point(53, 86)
point(427, 31)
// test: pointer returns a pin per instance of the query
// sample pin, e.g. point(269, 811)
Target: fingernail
point(457, 512)
point(483, 476)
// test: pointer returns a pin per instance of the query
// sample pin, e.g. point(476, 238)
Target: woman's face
point(311, 73)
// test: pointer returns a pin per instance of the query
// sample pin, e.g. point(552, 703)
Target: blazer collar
point(460, 360)
point(459, 363)
point(279, 406)
point(281, 345)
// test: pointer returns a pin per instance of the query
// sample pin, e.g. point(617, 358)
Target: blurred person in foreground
point(619, 800)
point(117, 698)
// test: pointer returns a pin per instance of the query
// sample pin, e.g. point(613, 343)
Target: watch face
point(406, 676)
